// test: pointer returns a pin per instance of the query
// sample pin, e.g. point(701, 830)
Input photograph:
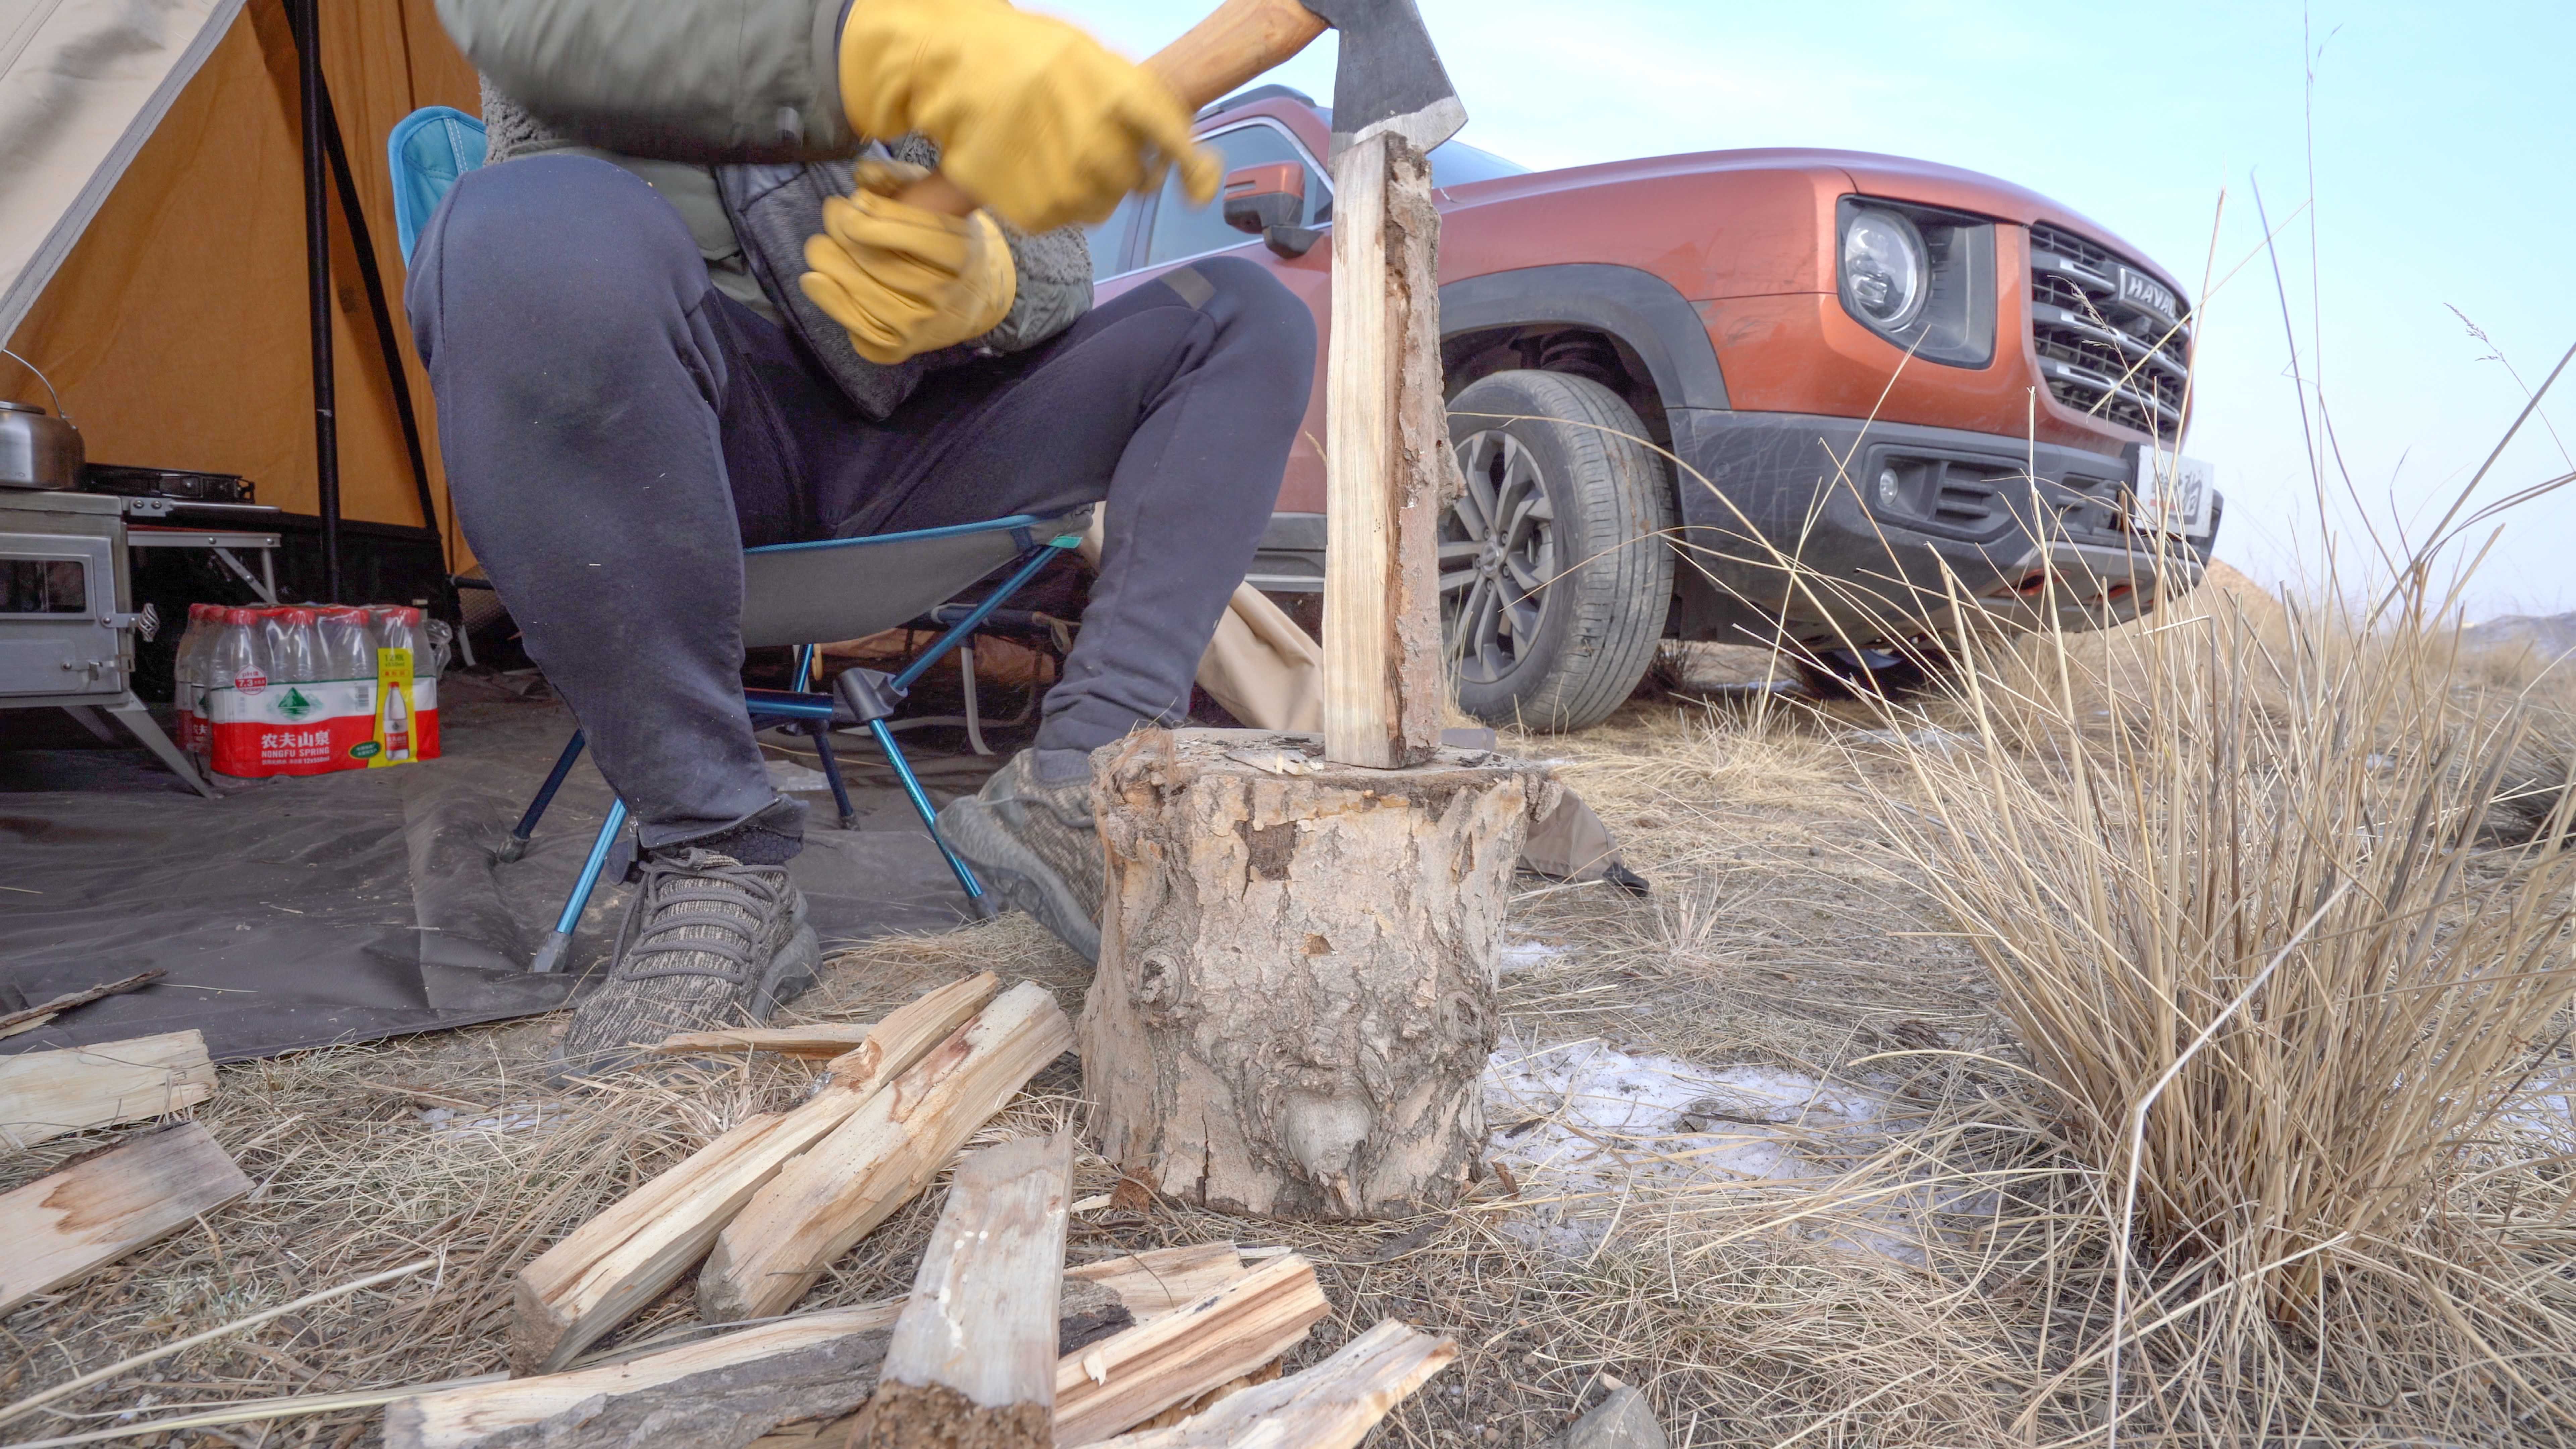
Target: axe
point(1389, 79)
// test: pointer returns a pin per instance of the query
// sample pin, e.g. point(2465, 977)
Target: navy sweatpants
point(616, 433)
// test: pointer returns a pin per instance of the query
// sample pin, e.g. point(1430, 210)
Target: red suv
point(1878, 376)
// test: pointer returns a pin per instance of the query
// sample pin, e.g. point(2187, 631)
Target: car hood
point(1898, 178)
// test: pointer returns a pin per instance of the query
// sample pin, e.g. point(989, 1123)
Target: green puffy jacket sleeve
point(679, 80)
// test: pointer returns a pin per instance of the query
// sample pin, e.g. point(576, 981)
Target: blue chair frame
point(874, 699)
point(426, 151)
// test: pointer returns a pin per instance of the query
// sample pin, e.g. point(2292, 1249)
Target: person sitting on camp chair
point(685, 314)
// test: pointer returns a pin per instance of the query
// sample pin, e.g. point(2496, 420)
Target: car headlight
point(1921, 277)
point(1885, 272)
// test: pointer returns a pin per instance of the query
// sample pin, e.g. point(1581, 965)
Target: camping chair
point(799, 594)
point(428, 150)
point(842, 588)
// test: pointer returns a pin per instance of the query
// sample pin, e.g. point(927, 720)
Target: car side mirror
point(1268, 201)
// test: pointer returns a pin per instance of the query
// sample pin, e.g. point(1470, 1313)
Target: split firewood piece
point(100, 1208)
point(719, 1391)
point(909, 1032)
point(1087, 1314)
point(1129, 1377)
point(879, 1159)
point(1200, 1405)
point(44, 1095)
point(821, 1041)
point(974, 1356)
point(1159, 1280)
point(626, 1257)
point(29, 1018)
point(1330, 1406)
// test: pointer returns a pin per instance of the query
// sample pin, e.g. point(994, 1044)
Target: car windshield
point(1455, 163)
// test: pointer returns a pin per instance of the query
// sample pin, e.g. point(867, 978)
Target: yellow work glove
point(902, 280)
point(1033, 118)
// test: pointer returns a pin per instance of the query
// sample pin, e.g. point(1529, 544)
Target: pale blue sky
point(2443, 142)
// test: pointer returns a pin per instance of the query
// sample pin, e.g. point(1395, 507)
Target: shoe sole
point(791, 974)
point(1014, 875)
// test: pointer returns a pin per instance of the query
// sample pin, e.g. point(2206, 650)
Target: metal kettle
point(38, 449)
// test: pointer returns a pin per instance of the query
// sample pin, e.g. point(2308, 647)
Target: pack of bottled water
point(308, 689)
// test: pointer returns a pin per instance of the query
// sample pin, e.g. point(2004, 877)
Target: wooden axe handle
point(1240, 40)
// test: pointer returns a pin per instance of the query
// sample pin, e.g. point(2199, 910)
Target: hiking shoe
point(1034, 846)
point(707, 942)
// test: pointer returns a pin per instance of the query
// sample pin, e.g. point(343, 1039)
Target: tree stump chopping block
point(1295, 999)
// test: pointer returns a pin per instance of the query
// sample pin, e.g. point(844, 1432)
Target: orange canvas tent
point(152, 238)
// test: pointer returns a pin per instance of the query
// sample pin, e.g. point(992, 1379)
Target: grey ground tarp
point(340, 908)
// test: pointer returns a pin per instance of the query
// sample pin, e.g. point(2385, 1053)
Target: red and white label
point(307, 728)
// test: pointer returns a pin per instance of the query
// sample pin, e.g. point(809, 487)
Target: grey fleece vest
point(772, 209)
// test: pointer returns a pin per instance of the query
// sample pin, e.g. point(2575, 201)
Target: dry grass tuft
point(2286, 1015)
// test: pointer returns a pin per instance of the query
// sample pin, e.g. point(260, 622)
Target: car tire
point(1551, 625)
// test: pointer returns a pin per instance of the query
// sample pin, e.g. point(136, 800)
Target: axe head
point(1390, 78)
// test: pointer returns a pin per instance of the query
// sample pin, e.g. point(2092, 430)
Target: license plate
point(2142, 291)
point(2174, 494)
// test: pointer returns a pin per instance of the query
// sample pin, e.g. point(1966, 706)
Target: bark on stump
point(1295, 999)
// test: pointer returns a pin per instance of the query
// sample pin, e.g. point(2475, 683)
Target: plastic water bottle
point(187, 675)
point(397, 726)
point(398, 627)
point(235, 660)
point(348, 643)
point(238, 656)
point(294, 646)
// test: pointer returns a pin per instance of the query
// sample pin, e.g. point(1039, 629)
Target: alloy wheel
point(1497, 555)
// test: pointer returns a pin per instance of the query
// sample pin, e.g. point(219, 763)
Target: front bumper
point(1785, 533)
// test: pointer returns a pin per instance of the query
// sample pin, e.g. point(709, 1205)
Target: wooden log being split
point(719, 1392)
point(44, 1095)
point(1295, 998)
point(821, 1041)
point(1386, 462)
point(1330, 1406)
point(878, 1159)
point(625, 1257)
point(973, 1360)
point(63, 1225)
point(1129, 1377)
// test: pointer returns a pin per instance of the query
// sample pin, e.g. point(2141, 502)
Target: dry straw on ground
point(2207, 982)
point(1810, 918)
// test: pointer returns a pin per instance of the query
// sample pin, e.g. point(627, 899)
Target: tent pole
point(354, 210)
point(305, 18)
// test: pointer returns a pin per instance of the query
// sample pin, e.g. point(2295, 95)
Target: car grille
point(2100, 354)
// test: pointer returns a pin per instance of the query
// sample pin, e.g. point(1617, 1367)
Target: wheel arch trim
point(1635, 306)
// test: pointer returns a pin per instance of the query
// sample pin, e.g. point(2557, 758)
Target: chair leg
point(517, 843)
point(930, 818)
point(821, 730)
point(550, 955)
point(966, 673)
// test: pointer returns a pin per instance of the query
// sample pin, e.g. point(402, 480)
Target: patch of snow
point(1583, 1127)
point(1525, 955)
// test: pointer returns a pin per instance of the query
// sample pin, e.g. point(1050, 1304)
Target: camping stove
point(66, 627)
